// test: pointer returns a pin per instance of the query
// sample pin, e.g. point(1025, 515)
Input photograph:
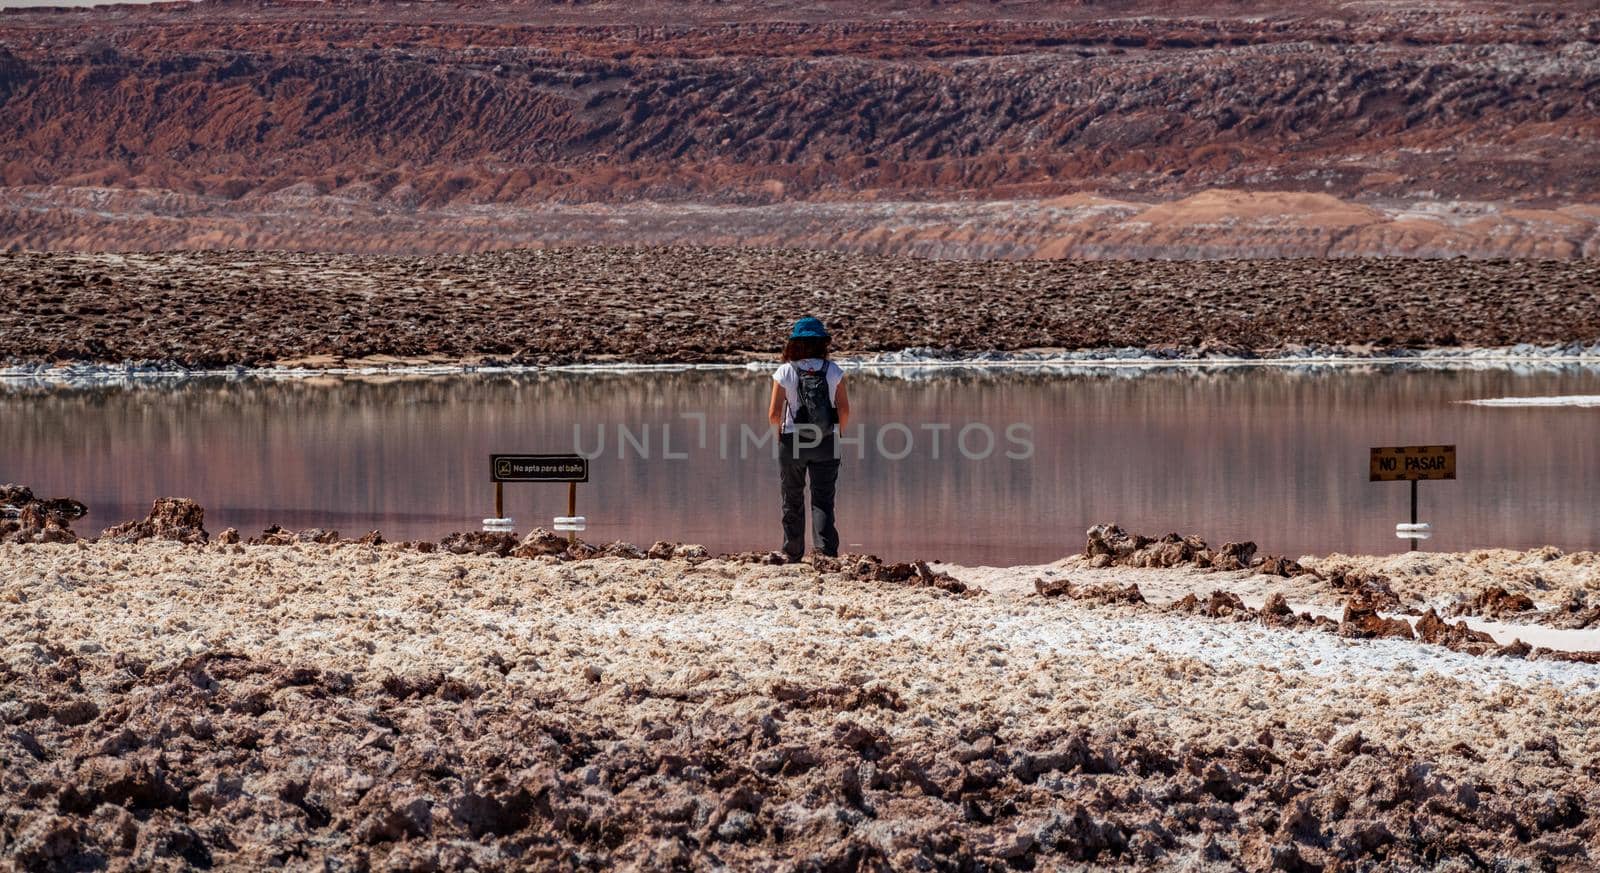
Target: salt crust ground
point(721, 635)
point(1422, 581)
point(375, 610)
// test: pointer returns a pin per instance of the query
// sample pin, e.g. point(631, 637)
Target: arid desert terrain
point(492, 702)
point(1132, 128)
point(242, 190)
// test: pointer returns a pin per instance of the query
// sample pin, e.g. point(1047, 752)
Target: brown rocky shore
point(200, 309)
point(175, 700)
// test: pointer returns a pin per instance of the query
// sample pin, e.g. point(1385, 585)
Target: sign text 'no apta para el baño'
point(538, 468)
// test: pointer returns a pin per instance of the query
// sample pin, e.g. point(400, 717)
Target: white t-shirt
point(790, 381)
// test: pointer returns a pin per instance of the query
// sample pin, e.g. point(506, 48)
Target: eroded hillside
point(452, 126)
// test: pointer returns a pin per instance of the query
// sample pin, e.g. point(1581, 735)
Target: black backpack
point(815, 406)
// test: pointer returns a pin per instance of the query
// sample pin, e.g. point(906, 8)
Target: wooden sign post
point(570, 469)
point(1412, 464)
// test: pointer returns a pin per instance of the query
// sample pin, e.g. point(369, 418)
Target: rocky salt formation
point(577, 305)
point(1109, 545)
point(1092, 593)
point(303, 708)
point(1494, 602)
point(25, 518)
point(871, 568)
point(1149, 128)
point(171, 518)
point(1459, 637)
point(1368, 605)
point(277, 535)
point(1362, 621)
point(539, 543)
point(1538, 587)
point(1579, 610)
point(12, 499)
point(548, 546)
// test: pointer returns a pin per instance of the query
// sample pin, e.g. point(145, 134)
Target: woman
point(808, 406)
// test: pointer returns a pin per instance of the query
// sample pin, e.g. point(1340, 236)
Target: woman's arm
point(841, 404)
point(775, 405)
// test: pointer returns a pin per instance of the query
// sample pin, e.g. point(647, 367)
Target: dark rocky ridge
point(686, 305)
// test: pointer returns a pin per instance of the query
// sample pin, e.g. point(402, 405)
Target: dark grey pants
point(821, 465)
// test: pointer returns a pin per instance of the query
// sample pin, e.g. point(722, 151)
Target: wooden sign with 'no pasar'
point(1401, 463)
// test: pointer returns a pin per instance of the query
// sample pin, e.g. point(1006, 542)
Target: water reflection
point(1274, 456)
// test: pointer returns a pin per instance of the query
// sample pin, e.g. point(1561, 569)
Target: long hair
point(801, 348)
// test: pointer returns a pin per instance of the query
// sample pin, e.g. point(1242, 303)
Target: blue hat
point(808, 327)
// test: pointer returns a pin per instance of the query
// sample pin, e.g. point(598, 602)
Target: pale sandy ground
point(635, 645)
point(1423, 580)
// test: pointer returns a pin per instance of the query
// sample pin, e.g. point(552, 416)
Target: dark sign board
point(1400, 463)
point(538, 468)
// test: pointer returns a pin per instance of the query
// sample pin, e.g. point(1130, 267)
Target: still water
point(1265, 454)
